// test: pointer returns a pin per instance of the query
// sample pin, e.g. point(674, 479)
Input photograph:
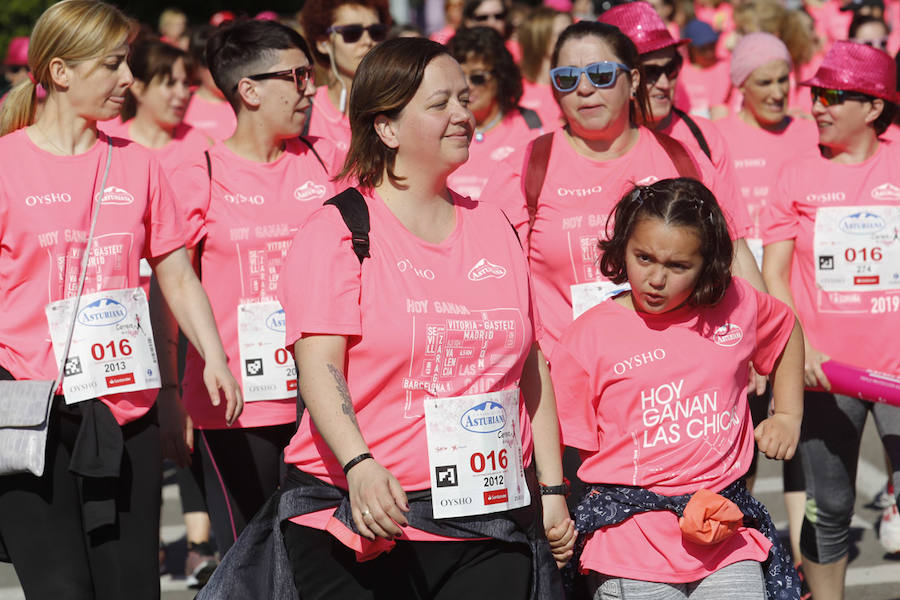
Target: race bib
point(588, 295)
point(857, 248)
point(475, 454)
point(268, 369)
point(755, 245)
point(112, 346)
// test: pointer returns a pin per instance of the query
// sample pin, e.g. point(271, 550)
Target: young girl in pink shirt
point(658, 435)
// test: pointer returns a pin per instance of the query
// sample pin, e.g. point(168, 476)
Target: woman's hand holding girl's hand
point(377, 501)
point(777, 436)
point(813, 375)
point(559, 528)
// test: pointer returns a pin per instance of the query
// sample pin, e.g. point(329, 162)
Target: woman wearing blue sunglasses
point(575, 175)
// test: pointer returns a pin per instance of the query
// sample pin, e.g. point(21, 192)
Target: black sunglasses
point(652, 73)
point(831, 97)
point(500, 16)
point(479, 78)
point(300, 76)
point(353, 33)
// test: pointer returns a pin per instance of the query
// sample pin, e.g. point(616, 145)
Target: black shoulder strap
point(305, 131)
point(532, 119)
point(208, 164)
point(513, 227)
point(695, 129)
point(309, 145)
point(679, 155)
point(355, 213)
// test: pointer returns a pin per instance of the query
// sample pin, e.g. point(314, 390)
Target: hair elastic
point(31, 77)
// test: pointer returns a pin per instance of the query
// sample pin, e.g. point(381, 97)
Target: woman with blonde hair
point(79, 211)
point(537, 37)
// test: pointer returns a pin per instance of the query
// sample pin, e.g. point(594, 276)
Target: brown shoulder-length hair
point(386, 80)
point(681, 202)
point(317, 16)
point(151, 59)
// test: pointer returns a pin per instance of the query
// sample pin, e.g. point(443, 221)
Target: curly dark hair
point(318, 15)
point(623, 49)
point(682, 202)
point(485, 44)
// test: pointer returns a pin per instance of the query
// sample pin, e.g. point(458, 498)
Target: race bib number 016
point(112, 346)
point(475, 454)
point(857, 248)
point(268, 369)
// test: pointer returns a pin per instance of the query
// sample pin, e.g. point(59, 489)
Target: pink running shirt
point(706, 88)
point(539, 98)
point(216, 119)
point(510, 135)
point(45, 217)
point(246, 223)
point(758, 156)
point(327, 122)
point(858, 326)
point(643, 414)
point(187, 145)
point(577, 197)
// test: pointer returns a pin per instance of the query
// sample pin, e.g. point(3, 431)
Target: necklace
point(50, 141)
point(479, 132)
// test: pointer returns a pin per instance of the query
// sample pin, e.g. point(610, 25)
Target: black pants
point(41, 523)
point(239, 469)
point(792, 478)
point(325, 569)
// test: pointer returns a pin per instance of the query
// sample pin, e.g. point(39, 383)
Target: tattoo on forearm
point(346, 402)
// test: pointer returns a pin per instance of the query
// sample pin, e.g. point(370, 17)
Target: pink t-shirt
point(855, 326)
point(216, 119)
point(577, 197)
point(327, 122)
point(437, 333)
point(246, 219)
point(45, 217)
point(643, 415)
point(539, 98)
point(185, 147)
point(510, 135)
point(706, 88)
point(443, 35)
point(758, 156)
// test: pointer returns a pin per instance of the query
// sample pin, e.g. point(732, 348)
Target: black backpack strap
point(532, 119)
point(679, 155)
point(309, 145)
point(355, 214)
point(208, 164)
point(518, 239)
point(305, 131)
point(695, 129)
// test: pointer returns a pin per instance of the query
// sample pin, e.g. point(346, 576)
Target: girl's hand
point(777, 436)
point(217, 376)
point(559, 528)
point(377, 501)
point(176, 430)
point(813, 376)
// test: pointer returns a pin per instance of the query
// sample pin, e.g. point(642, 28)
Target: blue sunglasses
point(600, 74)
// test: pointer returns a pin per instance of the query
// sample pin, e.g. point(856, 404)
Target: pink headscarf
point(753, 51)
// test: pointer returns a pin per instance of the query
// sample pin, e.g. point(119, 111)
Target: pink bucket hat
point(642, 25)
point(857, 68)
point(17, 53)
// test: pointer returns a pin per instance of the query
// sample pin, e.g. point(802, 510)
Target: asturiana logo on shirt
point(484, 269)
point(309, 191)
point(486, 417)
point(728, 334)
point(275, 321)
point(862, 223)
point(886, 191)
point(101, 313)
point(116, 196)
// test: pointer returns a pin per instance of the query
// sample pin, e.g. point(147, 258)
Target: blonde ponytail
point(19, 107)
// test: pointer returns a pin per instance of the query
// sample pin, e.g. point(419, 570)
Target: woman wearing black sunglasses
point(831, 251)
point(341, 33)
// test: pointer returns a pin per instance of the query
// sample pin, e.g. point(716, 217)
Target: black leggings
point(325, 569)
point(239, 470)
point(792, 478)
point(41, 523)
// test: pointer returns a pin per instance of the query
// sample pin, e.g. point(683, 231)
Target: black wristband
point(355, 461)
point(555, 490)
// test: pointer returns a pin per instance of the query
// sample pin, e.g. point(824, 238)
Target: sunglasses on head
point(353, 33)
point(831, 97)
point(500, 16)
point(600, 74)
point(16, 68)
point(479, 78)
point(300, 75)
point(879, 44)
point(671, 69)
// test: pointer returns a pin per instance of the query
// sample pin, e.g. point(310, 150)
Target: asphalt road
point(872, 574)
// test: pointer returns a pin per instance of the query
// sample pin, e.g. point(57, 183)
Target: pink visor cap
point(857, 68)
point(642, 25)
point(17, 53)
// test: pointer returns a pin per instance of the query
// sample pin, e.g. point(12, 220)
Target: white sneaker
point(884, 498)
point(889, 532)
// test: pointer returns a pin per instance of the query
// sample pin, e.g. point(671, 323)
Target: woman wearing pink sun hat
point(831, 251)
